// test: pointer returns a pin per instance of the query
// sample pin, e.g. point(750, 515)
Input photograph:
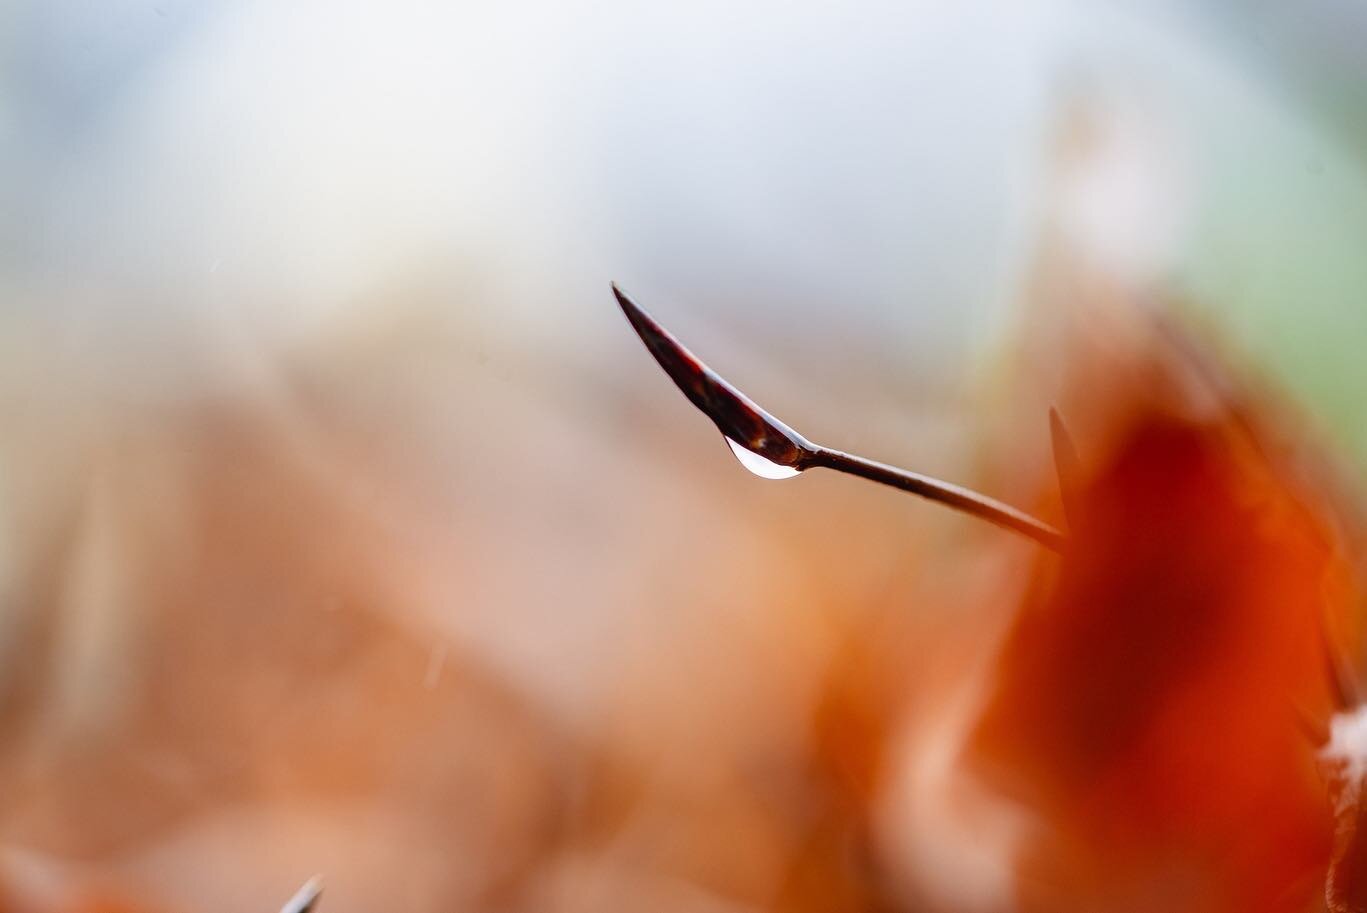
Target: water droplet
point(765, 469)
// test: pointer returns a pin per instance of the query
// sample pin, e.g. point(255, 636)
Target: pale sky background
point(866, 168)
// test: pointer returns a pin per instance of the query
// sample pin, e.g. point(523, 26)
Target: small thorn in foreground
point(306, 898)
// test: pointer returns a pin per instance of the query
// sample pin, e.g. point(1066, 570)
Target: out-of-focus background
point(346, 529)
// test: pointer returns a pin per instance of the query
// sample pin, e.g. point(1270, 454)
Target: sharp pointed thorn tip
point(306, 898)
point(731, 411)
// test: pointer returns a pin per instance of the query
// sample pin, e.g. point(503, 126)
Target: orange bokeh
point(1150, 703)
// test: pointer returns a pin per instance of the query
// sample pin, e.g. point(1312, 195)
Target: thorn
point(734, 413)
point(305, 898)
point(1066, 466)
point(745, 423)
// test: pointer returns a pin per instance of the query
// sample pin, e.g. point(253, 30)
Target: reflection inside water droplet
point(765, 469)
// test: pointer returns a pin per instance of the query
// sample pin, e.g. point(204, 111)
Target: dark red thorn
point(734, 413)
point(750, 426)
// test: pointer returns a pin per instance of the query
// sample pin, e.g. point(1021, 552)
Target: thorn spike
point(1066, 466)
point(734, 413)
point(306, 898)
point(745, 423)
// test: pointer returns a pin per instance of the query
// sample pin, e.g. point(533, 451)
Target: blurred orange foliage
point(1150, 701)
